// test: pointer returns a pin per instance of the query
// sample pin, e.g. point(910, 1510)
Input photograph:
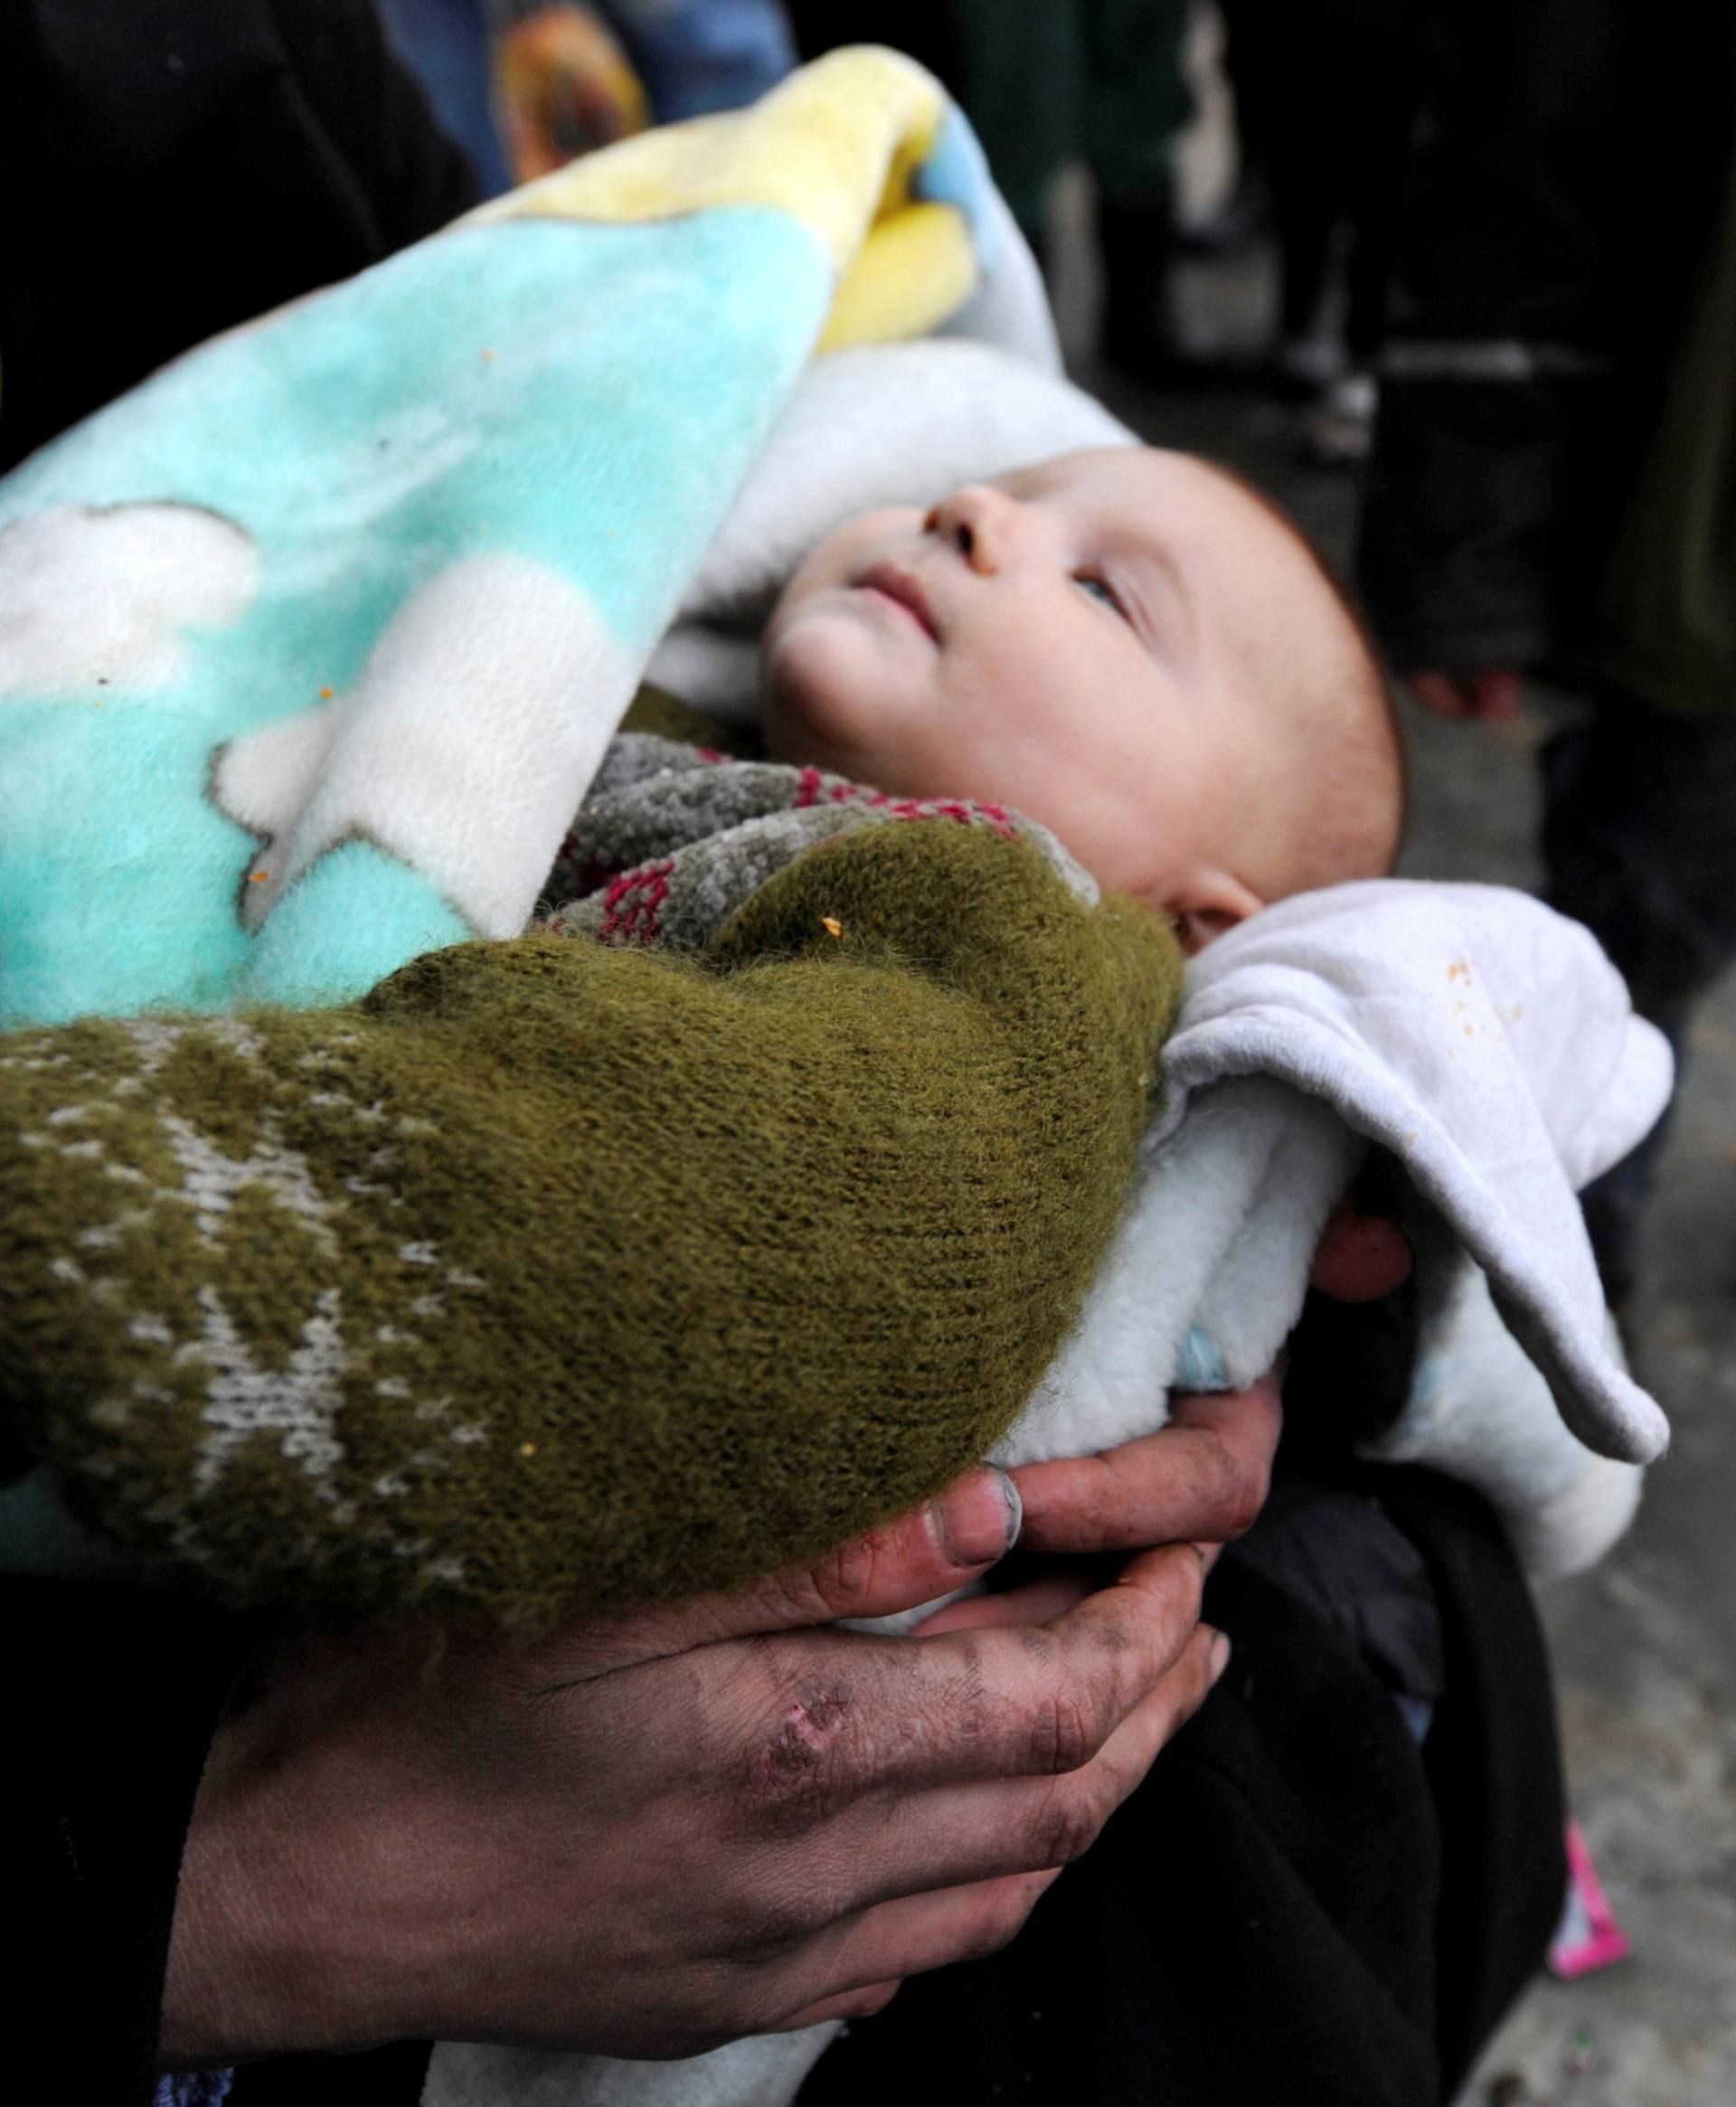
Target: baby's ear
point(1204, 902)
point(1196, 929)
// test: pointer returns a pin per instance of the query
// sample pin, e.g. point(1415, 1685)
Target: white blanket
point(1485, 1043)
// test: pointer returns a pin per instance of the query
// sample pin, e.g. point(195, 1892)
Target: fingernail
point(979, 1521)
point(1219, 1655)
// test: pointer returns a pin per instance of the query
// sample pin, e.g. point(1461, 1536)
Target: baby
point(1128, 645)
point(1135, 648)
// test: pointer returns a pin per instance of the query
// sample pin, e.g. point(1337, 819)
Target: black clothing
point(1300, 1904)
point(1640, 845)
point(111, 1696)
point(175, 166)
point(927, 32)
point(1569, 165)
point(1325, 103)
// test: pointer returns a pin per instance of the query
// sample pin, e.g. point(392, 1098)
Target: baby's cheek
point(822, 699)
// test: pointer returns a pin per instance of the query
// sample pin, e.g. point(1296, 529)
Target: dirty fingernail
point(979, 1521)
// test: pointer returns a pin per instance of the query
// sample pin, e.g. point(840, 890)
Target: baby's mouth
point(904, 591)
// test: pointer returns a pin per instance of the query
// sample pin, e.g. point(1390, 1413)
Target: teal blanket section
point(387, 912)
point(586, 397)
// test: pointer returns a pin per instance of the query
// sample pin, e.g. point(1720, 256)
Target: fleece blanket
point(310, 645)
point(309, 649)
point(1488, 1048)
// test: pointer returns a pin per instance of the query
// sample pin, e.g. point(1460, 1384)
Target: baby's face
point(1097, 641)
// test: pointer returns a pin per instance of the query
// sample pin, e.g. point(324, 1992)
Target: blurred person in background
point(1325, 105)
point(1100, 81)
point(526, 85)
point(445, 45)
point(1553, 482)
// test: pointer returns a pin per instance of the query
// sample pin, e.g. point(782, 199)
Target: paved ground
point(1646, 1647)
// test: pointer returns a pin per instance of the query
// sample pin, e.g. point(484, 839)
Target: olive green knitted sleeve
point(551, 1274)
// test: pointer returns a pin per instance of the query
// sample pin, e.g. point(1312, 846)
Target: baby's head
point(1128, 645)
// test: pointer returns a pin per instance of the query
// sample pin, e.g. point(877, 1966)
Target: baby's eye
point(1100, 588)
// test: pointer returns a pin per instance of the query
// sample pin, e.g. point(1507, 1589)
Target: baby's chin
point(824, 695)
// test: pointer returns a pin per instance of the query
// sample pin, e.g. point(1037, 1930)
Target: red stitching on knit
point(956, 809)
point(656, 893)
point(634, 904)
point(809, 790)
point(711, 754)
point(856, 794)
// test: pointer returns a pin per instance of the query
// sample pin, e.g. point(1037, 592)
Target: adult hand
point(663, 1828)
point(1487, 691)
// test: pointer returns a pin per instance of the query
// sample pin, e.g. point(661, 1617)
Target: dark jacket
point(1299, 1904)
point(1563, 192)
point(173, 166)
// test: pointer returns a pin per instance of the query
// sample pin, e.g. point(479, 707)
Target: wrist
point(296, 1928)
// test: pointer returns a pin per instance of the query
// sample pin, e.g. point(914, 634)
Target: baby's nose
point(981, 522)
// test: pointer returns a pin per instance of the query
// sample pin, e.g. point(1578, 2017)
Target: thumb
point(900, 1565)
point(1360, 1257)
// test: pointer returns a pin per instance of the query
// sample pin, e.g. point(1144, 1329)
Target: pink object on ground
point(1587, 1937)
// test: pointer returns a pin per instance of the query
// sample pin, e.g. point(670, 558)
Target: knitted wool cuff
point(675, 838)
point(552, 1273)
